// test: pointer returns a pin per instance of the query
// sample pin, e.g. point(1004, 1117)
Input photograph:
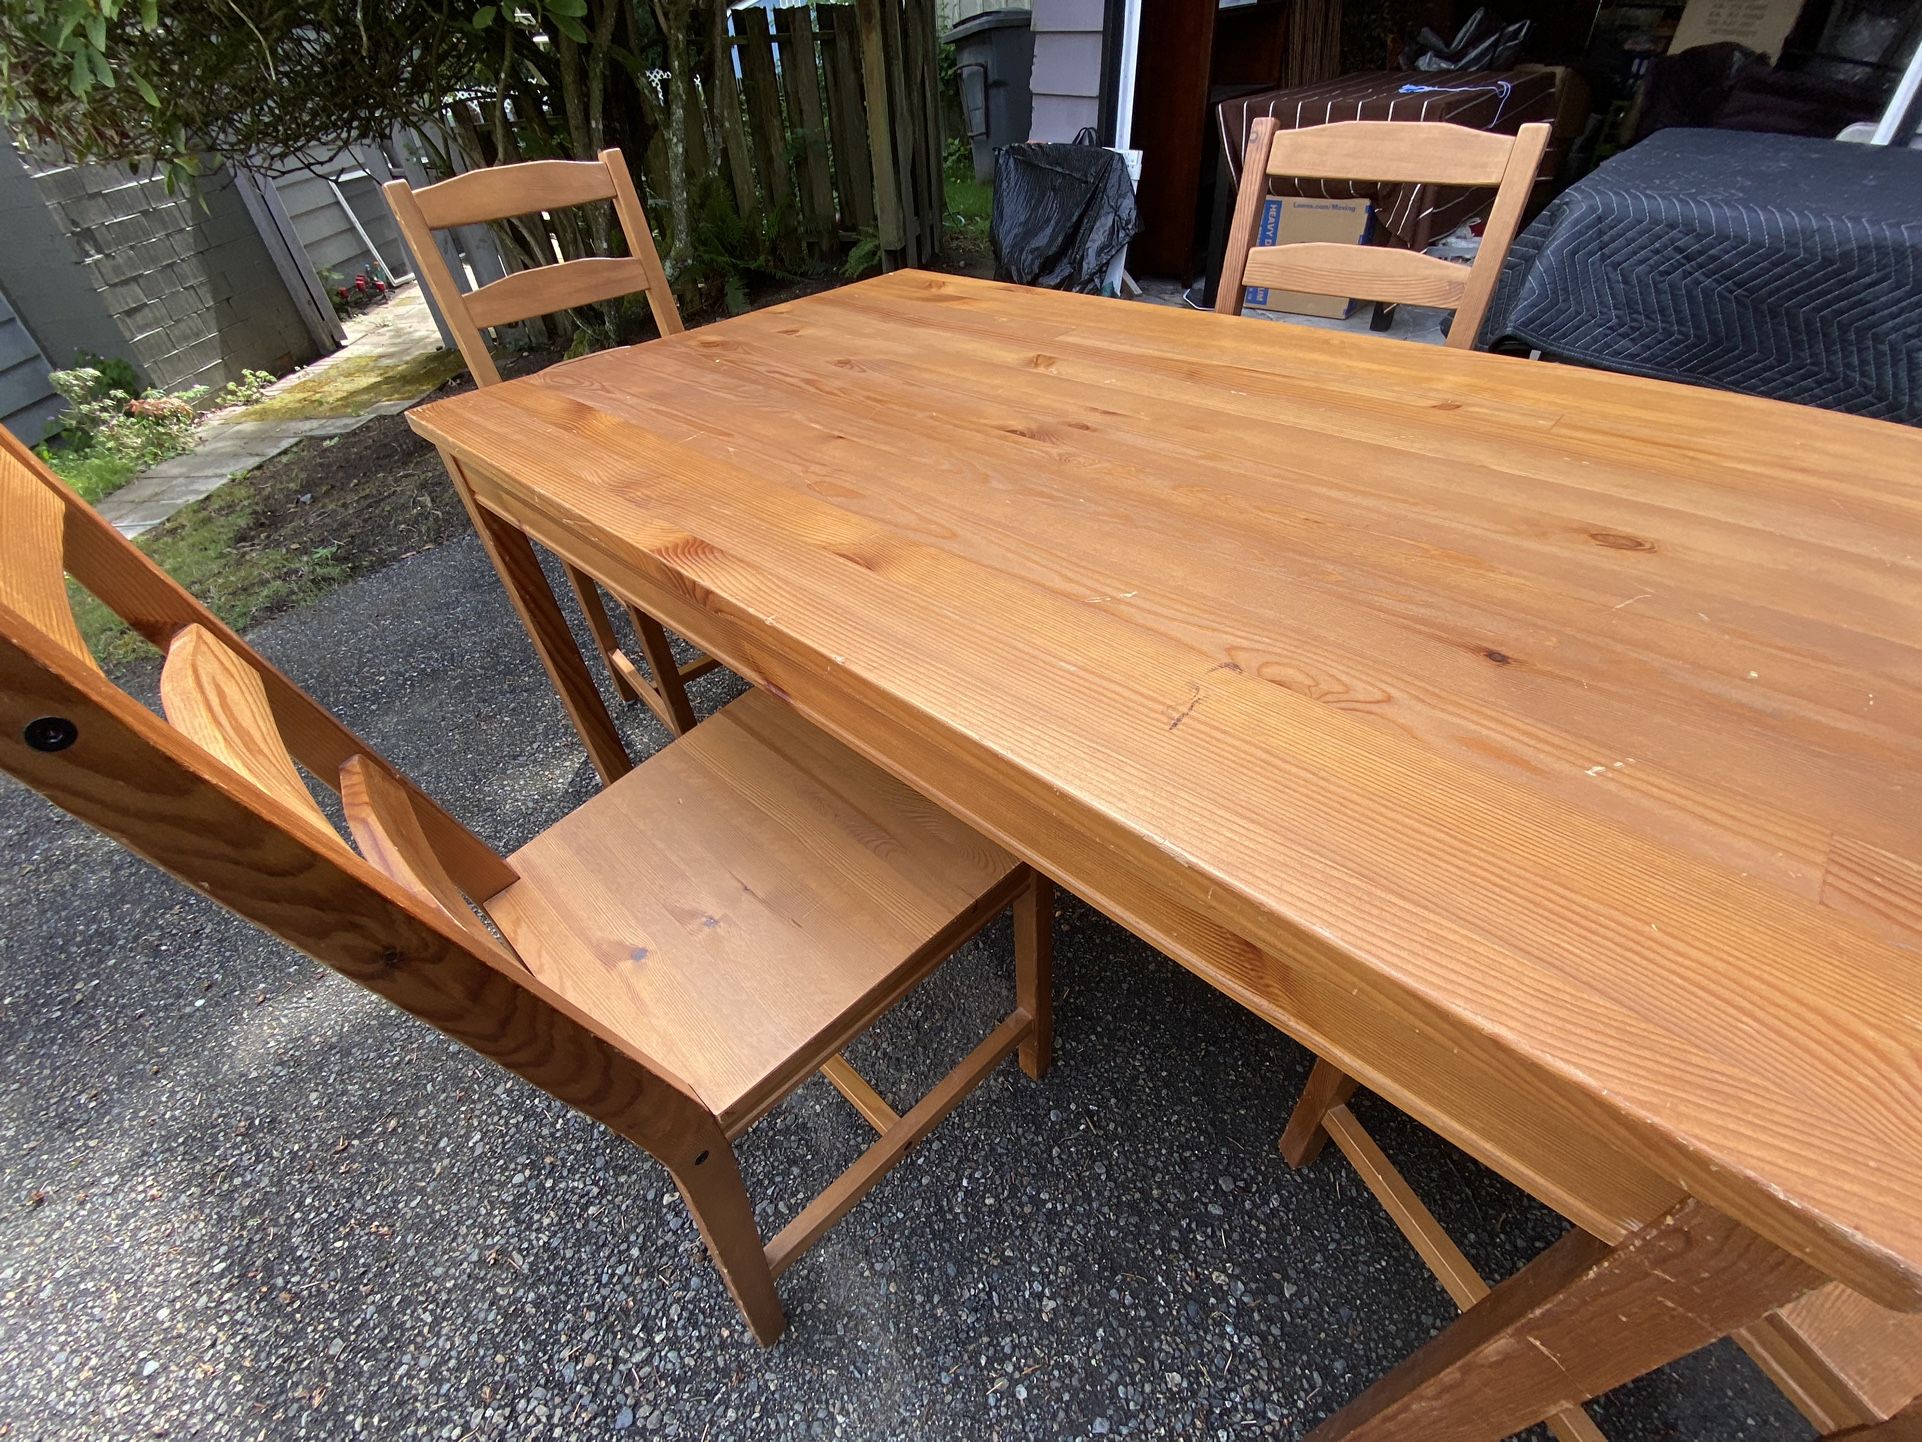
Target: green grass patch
point(93, 476)
point(204, 547)
point(970, 205)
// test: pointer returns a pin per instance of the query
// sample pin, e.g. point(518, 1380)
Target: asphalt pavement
point(241, 1198)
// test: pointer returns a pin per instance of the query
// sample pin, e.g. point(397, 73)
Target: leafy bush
point(247, 391)
point(118, 374)
point(864, 256)
point(108, 435)
point(367, 288)
point(104, 421)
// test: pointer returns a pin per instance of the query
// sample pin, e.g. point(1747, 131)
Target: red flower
point(343, 292)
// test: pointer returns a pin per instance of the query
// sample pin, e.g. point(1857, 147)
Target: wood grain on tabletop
point(1573, 715)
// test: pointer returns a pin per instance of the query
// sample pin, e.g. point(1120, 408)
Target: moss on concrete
point(354, 384)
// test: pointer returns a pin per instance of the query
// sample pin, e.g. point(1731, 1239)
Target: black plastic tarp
point(1062, 213)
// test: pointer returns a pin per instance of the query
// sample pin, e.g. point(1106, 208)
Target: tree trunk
point(673, 17)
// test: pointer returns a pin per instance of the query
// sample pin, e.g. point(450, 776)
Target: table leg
point(1328, 1087)
point(1581, 1318)
point(520, 572)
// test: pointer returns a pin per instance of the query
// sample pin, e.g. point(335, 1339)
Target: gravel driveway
point(241, 1198)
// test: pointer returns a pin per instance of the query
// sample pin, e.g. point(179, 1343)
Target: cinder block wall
point(185, 278)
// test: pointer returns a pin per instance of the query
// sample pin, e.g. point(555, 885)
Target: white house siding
point(1067, 67)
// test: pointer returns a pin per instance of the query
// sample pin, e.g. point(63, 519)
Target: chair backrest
point(213, 793)
point(1391, 152)
point(502, 192)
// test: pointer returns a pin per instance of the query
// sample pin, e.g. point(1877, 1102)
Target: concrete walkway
point(392, 358)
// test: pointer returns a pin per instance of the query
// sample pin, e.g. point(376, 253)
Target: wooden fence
point(834, 129)
point(829, 134)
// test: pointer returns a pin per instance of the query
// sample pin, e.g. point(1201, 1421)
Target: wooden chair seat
point(744, 902)
point(672, 959)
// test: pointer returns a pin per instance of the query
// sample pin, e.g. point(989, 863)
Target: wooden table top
point(1567, 720)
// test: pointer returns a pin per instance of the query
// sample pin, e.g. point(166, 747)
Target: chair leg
point(1328, 1087)
point(669, 681)
point(1034, 971)
point(602, 628)
point(716, 1195)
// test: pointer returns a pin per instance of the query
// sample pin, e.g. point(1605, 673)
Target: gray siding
point(50, 286)
point(950, 13)
point(185, 279)
point(326, 232)
point(27, 402)
point(1067, 67)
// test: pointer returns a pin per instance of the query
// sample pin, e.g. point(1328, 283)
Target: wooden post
point(727, 116)
point(874, 77)
point(520, 572)
point(1034, 971)
point(763, 92)
point(1581, 1318)
point(853, 172)
point(1328, 1087)
point(901, 124)
point(925, 103)
point(805, 113)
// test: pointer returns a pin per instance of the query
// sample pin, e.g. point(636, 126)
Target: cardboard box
point(1291, 219)
point(1762, 25)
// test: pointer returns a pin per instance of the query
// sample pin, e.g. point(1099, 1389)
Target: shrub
point(247, 391)
point(118, 374)
point(105, 422)
point(367, 287)
point(108, 435)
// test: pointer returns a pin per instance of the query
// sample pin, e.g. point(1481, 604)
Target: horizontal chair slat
point(1362, 272)
point(482, 195)
point(549, 288)
point(1429, 153)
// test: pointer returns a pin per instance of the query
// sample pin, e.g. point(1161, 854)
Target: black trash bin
point(993, 55)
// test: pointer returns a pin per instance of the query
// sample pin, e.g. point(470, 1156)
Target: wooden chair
point(483, 196)
point(1852, 1368)
point(672, 959)
point(1396, 152)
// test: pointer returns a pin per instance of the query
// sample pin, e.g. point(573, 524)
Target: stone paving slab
point(388, 341)
point(231, 449)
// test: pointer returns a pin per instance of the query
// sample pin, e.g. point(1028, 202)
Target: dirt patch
point(364, 499)
point(312, 518)
point(369, 497)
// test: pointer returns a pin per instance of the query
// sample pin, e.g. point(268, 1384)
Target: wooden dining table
point(1541, 747)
